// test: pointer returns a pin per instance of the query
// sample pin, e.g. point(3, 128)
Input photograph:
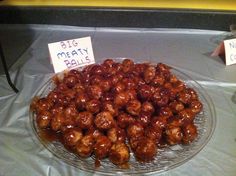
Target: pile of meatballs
point(111, 109)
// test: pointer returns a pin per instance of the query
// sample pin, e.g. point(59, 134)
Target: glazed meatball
point(175, 122)
point(56, 109)
point(124, 120)
point(133, 107)
point(158, 80)
point(189, 133)
point(119, 153)
point(149, 74)
point(165, 111)
point(93, 106)
point(70, 81)
point(135, 130)
point(94, 91)
point(116, 134)
point(70, 111)
point(121, 99)
point(161, 97)
point(94, 132)
point(119, 87)
point(146, 150)
point(84, 147)
point(144, 119)
point(129, 83)
point(72, 136)
point(147, 107)
point(153, 133)
point(132, 94)
point(102, 147)
point(174, 135)
point(109, 106)
point(184, 97)
point(81, 100)
point(159, 122)
point(196, 106)
point(127, 65)
point(42, 104)
point(145, 92)
point(57, 122)
point(186, 115)
point(176, 106)
point(104, 120)
point(44, 119)
point(84, 120)
point(107, 96)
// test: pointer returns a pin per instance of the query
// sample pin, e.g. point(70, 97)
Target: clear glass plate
point(167, 158)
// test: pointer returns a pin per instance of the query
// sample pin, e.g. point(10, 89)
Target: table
point(22, 154)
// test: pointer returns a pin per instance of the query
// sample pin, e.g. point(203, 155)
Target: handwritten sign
point(70, 54)
point(230, 51)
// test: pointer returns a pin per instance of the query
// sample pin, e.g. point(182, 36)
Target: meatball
point(184, 97)
point(132, 94)
point(56, 109)
point(165, 111)
point(127, 65)
point(94, 132)
point(116, 134)
point(102, 147)
point(57, 122)
point(135, 130)
point(129, 83)
point(196, 106)
point(43, 119)
point(124, 120)
point(145, 92)
point(147, 107)
point(104, 120)
point(94, 91)
point(158, 80)
point(187, 115)
point(108, 63)
point(153, 133)
point(119, 87)
point(84, 120)
point(133, 107)
point(93, 106)
point(107, 96)
point(146, 150)
point(109, 106)
point(119, 153)
point(144, 119)
point(159, 122)
point(189, 133)
point(72, 136)
point(70, 111)
point(161, 97)
point(121, 99)
point(105, 85)
point(70, 81)
point(84, 147)
point(174, 135)
point(81, 100)
point(42, 104)
point(176, 106)
point(193, 93)
point(149, 74)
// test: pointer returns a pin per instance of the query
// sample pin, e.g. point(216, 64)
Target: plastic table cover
point(22, 154)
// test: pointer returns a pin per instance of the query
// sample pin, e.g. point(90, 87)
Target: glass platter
point(167, 158)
